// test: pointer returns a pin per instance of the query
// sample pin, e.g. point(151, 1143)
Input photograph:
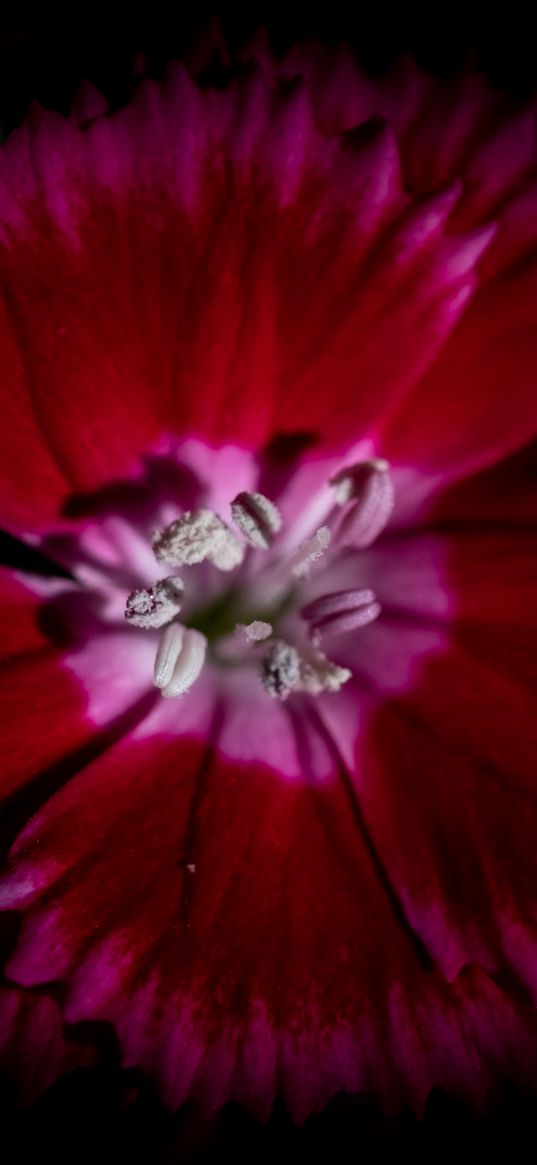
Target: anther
point(253, 632)
point(286, 670)
point(318, 674)
point(195, 536)
point(179, 660)
point(341, 612)
point(155, 607)
point(280, 671)
point(257, 518)
point(367, 490)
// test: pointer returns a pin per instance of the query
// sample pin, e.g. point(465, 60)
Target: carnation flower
point(268, 398)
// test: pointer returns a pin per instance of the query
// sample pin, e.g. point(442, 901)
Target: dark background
point(108, 1115)
point(45, 60)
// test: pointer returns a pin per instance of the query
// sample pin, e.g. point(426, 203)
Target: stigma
point(262, 621)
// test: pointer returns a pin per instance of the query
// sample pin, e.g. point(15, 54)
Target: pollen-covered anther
point(303, 558)
point(257, 518)
point(341, 612)
point(195, 536)
point(318, 674)
point(286, 670)
point(156, 606)
point(253, 632)
point(366, 490)
point(179, 659)
point(280, 671)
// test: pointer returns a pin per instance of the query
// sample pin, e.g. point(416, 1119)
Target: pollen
point(303, 559)
point(254, 632)
point(241, 625)
point(156, 606)
point(195, 536)
point(280, 670)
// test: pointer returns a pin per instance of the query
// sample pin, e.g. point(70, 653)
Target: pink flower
point(276, 346)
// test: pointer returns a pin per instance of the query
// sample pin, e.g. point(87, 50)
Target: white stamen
point(253, 632)
point(341, 612)
point(195, 536)
point(257, 518)
point(180, 659)
point(367, 489)
point(171, 642)
point(303, 559)
point(280, 670)
point(155, 607)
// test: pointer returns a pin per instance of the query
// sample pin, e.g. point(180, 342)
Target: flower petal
point(455, 830)
point(462, 416)
point(33, 1049)
point(236, 209)
point(225, 971)
point(52, 698)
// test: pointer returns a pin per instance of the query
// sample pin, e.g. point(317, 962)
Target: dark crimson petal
point(254, 950)
point(188, 237)
point(48, 716)
point(488, 138)
point(41, 705)
point(504, 495)
point(33, 1050)
point(447, 779)
point(478, 403)
point(42, 717)
point(462, 414)
point(19, 625)
point(34, 487)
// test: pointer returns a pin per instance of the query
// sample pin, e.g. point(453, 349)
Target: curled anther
point(155, 606)
point(366, 490)
point(341, 612)
point(257, 518)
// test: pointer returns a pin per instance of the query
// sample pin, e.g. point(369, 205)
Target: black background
point(106, 1114)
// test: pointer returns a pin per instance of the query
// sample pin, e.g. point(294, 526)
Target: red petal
point(188, 237)
point(254, 949)
point(504, 495)
point(19, 626)
point(487, 138)
point(447, 786)
point(41, 705)
point(33, 1050)
point(48, 718)
point(478, 402)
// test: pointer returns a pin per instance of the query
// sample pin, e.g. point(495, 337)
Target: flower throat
point(246, 624)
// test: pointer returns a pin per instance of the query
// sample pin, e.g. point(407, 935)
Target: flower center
point(261, 619)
